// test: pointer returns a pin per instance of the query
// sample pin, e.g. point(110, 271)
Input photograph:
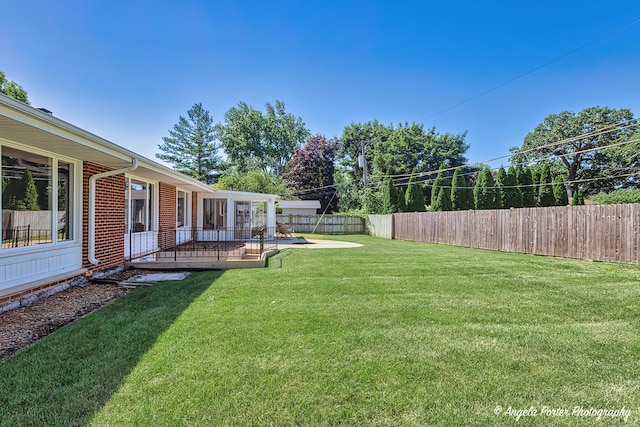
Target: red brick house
point(74, 204)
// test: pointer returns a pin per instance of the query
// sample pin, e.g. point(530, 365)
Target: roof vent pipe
point(92, 206)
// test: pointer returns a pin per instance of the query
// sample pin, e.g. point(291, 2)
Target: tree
point(12, 89)
point(525, 181)
point(441, 180)
point(349, 193)
point(311, 171)
point(575, 140)
point(513, 194)
point(578, 198)
point(389, 196)
point(371, 201)
point(484, 192)
point(442, 201)
point(461, 195)
point(560, 197)
point(501, 196)
point(254, 182)
point(399, 150)
point(253, 140)
point(545, 192)
point(414, 197)
point(190, 146)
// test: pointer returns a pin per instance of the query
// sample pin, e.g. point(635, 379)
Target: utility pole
point(363, 161)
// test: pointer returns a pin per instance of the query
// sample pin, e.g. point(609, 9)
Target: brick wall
point(110, 217)
point(167, 215)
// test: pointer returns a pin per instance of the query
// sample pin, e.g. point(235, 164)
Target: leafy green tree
point(311, 171)
point(414, 196)
point(190, 146)
point(501, 178)
point(253, 140)
point(560, 192)
point(484, 192)
point(621, 160)
point(461, 195)
point(545, 192)
point(578, 198)
point(283, 133)
point(397, 149)
point(349, 193)
point(256, 181)
point(12, 89)
point(513, 193)
point(574, 138)
point(410, 146)
point(372, 202)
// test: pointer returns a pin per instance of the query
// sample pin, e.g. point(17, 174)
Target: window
point(37, 198)
point(140, 205)
point(214, 214)
point(259, 214)
point(181, 209)
point(65, 199)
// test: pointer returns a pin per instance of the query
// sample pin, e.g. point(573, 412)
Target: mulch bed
point(23, 326)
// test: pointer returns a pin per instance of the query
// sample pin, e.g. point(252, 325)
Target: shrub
point(625, 195)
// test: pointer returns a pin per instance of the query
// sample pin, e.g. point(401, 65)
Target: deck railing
point(190, 242)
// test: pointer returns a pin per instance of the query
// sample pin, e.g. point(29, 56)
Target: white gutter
point(92, 206)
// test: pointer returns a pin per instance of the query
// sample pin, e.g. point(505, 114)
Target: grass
point(391, 333)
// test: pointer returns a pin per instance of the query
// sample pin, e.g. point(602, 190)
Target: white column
point(271, 215)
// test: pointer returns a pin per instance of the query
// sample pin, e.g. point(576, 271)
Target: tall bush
point(461, 195)
point(545, 193)
point(560, 192)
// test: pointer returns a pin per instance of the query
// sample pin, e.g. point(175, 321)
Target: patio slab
point(315, 244)
point(156, 277)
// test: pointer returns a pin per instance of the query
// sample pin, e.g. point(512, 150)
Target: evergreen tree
point(414, 197)
point(190, 146)
point(30, 200)
point(578, 198)
point(545, 193)
point(560, 192)
point(441, 180)
point(389, 196)
point(513, 192)
point(401, 199)
point(536, 173)
point(484, 192)
point(461, 196)
point(443, 201)
point(501, 199)
point(528, 190)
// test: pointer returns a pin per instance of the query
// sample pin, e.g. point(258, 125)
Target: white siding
point(18, 268)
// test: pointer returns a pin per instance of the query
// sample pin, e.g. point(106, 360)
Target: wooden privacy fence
point(329, 224)
point(380, 226)
point(604, 233)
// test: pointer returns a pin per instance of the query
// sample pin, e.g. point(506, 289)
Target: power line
point(402, 177)
point(533, 70)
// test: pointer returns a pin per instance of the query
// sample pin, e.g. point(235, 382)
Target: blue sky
point(125, 70)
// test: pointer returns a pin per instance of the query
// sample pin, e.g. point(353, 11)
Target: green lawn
point(391, 333)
